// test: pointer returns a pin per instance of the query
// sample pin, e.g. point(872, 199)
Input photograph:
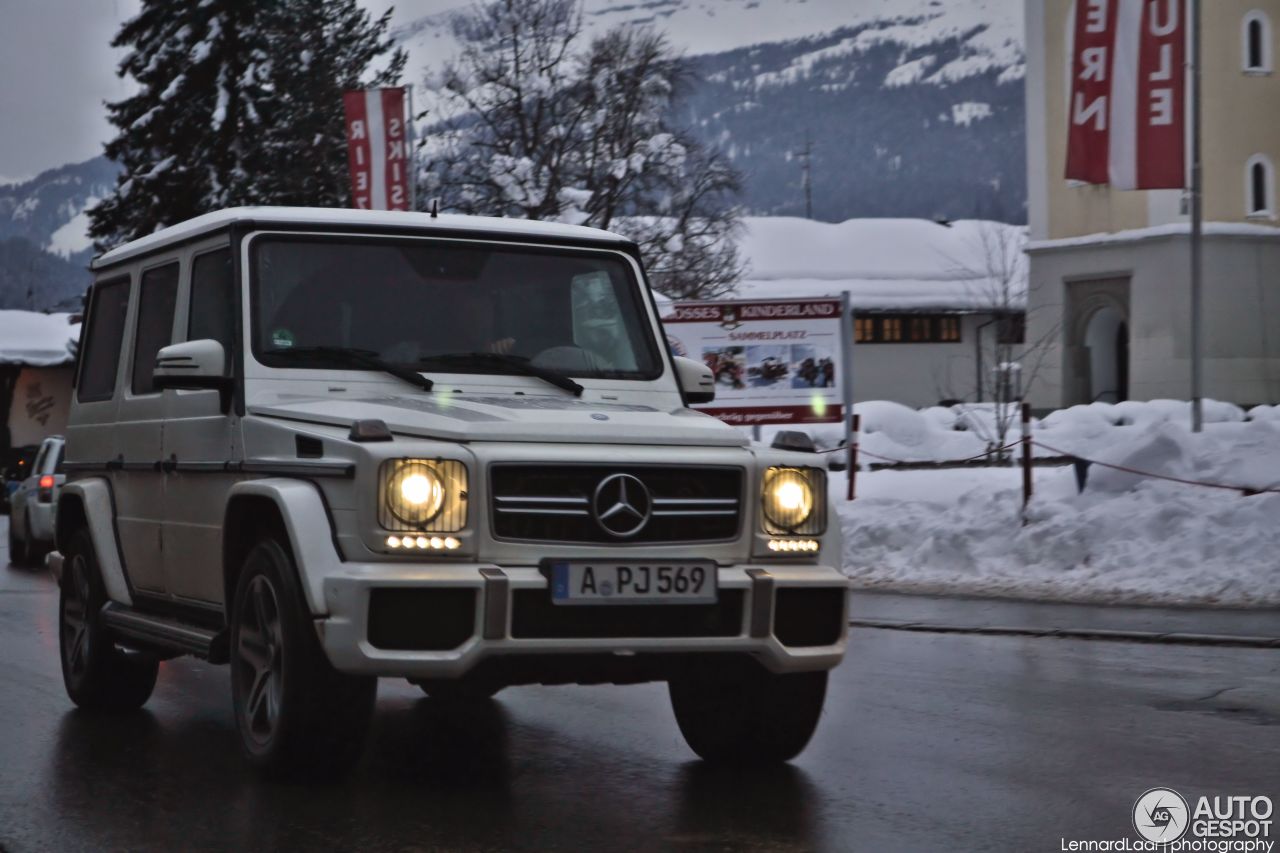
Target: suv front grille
point(620, 504)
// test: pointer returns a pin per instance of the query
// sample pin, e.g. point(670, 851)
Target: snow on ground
point(1125, 539)
point(39, 340)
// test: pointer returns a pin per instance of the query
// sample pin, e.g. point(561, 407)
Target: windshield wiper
point(516, 363)
point(357, 357)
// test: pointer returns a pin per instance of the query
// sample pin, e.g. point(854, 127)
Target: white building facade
point(1110, 271)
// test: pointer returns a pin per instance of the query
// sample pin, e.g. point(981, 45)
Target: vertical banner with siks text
point(1127, 108)
point(377, 149)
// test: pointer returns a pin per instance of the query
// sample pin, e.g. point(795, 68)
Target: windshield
point(424, 303)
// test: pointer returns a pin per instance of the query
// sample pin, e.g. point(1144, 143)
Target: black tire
point(34, 551)
point(737, 712)
point(458, 692)
point(296, 714)
point(98, 674)
point(17, 547)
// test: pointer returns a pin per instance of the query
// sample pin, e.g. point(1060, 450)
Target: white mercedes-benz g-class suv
point(325, 446)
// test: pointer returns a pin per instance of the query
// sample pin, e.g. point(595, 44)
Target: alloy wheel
point(75, 616)
point(260, 649)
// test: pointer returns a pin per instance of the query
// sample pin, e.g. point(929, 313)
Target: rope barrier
point(862, 451)
point(1246, 490)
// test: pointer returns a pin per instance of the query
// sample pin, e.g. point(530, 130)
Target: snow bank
point(1124, 539)
point(38, 340)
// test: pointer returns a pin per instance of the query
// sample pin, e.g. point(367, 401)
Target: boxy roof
point(360, 220)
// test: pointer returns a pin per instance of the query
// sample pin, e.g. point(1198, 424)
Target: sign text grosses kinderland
point(775, 362)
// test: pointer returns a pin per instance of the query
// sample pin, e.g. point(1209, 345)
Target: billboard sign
point(775, 362)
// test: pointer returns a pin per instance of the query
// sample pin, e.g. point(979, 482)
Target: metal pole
point(1026, 459)
point(1197, 229)
point(849, 334)
point(853, 458)
point(413, 157)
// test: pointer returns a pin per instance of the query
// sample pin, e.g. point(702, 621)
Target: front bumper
point(500, 612)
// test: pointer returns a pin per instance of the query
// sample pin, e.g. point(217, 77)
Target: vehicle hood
point(525, 418)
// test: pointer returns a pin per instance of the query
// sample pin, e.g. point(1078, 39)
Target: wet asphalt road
point(928, 742)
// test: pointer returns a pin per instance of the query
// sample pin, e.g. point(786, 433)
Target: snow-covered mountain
point(44, 243)
point(914, 107)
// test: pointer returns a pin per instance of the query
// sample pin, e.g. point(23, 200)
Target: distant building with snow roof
point(933, 303)
point(1110, 271)
point(36, 365)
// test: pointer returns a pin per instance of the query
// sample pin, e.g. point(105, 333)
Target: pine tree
point(321, 48)
point(238, 102)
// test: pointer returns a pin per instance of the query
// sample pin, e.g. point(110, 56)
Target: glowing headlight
point(422, 496)
point(793, 501)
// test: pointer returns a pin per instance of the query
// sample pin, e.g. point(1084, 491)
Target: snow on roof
point(36, 340)
point(886, 264)
point(340, 217)
point(1176, 229)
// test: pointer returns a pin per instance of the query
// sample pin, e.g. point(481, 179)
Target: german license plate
point(633, 582)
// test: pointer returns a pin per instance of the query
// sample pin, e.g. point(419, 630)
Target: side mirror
point(194, 366)
point(696, 380)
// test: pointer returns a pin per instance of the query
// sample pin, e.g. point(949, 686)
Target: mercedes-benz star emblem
point(622, 505)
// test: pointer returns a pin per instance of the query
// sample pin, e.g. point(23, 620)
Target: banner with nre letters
point(775, 362)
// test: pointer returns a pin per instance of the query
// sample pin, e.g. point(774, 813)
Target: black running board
point(165, 632)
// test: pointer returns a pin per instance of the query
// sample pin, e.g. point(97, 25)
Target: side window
point(57, 460)
point(101, 355)
point(213, 300)
point(158, 296)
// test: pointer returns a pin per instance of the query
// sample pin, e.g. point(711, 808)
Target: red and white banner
point(1128, 94)
point(377, 149)
point(773, 362)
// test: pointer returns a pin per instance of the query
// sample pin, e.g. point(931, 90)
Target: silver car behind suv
point(31, 506)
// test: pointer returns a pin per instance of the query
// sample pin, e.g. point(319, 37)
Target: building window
point(1259, 189)
point(1257, 43)
point(864, 329)
point(1011, 329)
point(949, 330)
point(907, 328)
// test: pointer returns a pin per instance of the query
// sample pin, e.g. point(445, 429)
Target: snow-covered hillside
point(993, 29)
point(912, 107)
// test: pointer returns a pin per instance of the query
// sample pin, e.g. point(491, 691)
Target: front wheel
point(737, 712)
point(98, 675)
point(295, 712)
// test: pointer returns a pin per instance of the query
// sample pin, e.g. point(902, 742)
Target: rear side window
point(159, 295)
point(57, 460)
point(102, 342)
point(212, 300)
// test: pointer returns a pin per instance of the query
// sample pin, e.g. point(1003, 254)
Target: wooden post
point(853, 456)
point(1026, 459)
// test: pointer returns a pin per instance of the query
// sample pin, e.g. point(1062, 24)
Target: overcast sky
point(57, 68)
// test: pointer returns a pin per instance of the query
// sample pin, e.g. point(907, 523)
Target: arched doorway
point(1106, 339)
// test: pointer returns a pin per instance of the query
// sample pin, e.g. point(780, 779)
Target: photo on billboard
point(813, 366)
point(728, 365)
point(768, 366)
